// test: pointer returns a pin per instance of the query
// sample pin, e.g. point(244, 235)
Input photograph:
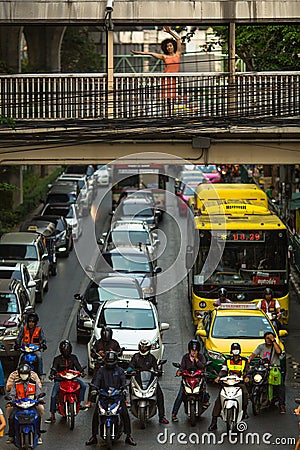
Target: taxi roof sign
point(237, 306)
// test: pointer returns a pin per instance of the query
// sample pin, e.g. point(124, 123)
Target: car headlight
point(12, 332)
point(148, 290)
point(216, 355)
point(83, 315)
point(155, 345)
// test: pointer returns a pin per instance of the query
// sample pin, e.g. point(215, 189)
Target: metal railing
point(150, 95)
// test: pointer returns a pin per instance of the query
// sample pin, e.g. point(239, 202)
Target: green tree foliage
point(265, 47)
point(79, 52)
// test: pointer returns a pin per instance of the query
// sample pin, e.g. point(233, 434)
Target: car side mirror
point(157, 270)
point(164, 326)
point(201, 333)
point(282, 333)
point(31, 284)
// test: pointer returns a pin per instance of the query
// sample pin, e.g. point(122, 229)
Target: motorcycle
point(28, 356)
point(109, 408)
point(194, 388)
point(68, 403)
point(26, 422)
point(143, 393)
point(231, 397)
point(261, 390)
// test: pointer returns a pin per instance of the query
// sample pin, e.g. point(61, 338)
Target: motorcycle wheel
point(142, 418)
point(192, 415)
point(256, 405)
point(27, 441)
point(71, 415)
point(108, 440)
point(231, 421)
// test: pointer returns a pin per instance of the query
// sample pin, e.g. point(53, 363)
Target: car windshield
point(18, 252)
point(8, 304)
point(115, 292)
point(10, 274)
point(207, 169)
point(243, 327)
point(136, 210)
point(188, 190)
point(129, 237)
point(128, 263)
point(128, 318)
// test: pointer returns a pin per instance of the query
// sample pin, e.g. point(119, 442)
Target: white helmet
point(144, 347)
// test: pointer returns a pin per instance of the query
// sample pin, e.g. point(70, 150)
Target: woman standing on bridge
point(172, 49)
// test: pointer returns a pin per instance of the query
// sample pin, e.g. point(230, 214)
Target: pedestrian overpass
point(216, 118)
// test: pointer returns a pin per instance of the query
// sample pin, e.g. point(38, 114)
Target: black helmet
point(144, 347)
point(106, 334)
point(65, 348)
point(235, 348)
point(222, 292)
point(268, 291)
point(24, 371)
point(32, 317)
point(110, 360)
point(194, 345)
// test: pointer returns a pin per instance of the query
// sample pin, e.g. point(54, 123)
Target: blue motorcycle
point(110, 420)
point(26, 422)
point(29, 356)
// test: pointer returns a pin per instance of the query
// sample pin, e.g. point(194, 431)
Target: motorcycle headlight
point(216, 355)
point(137, 392)
point(187, 389)
point(257, 378)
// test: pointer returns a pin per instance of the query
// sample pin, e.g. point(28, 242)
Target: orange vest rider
point(268, 307)
point(236, 366)
point(34, 339)
point(30, 390)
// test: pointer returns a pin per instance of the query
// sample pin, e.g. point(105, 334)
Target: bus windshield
point(254, 259)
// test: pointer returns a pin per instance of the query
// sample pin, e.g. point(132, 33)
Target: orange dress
point(172, 64)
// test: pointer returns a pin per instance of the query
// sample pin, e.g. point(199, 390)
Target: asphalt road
point(58, 318)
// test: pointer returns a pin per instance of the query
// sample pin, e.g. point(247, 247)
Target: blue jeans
point(56, 389)
point(1, 375)
point(178, 401)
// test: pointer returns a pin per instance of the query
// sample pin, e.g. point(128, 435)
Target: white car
point(85, 198)
point(102, 175)
point(70, 212)
point(18, 271)
point(130, 320)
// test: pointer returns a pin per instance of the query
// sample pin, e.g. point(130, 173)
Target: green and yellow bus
point(239, 244)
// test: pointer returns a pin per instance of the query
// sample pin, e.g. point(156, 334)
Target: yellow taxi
point(232, 322)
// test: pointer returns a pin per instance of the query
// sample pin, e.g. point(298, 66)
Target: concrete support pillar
point(44, 44)
point(10, 48)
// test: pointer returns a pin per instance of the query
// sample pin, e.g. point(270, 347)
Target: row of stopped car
point(122, 291)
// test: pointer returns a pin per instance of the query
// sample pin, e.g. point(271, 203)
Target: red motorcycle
point(194, 389)
point(68, 395)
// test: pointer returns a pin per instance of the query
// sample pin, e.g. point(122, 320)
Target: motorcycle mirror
point(84, 367)
point(297, 400)
point(8, 397)
point(41, 395)
point(162, 361)
point(177, 365)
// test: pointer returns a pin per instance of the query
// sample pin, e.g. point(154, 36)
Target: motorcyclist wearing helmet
point(235, 364)
point(32, 334)
point(23, 387)
point(66, 360)
point(194, 359)
point(111, 375)
point(144, 360)
point(222, 292)
point(100, 347)
point(270, 305)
